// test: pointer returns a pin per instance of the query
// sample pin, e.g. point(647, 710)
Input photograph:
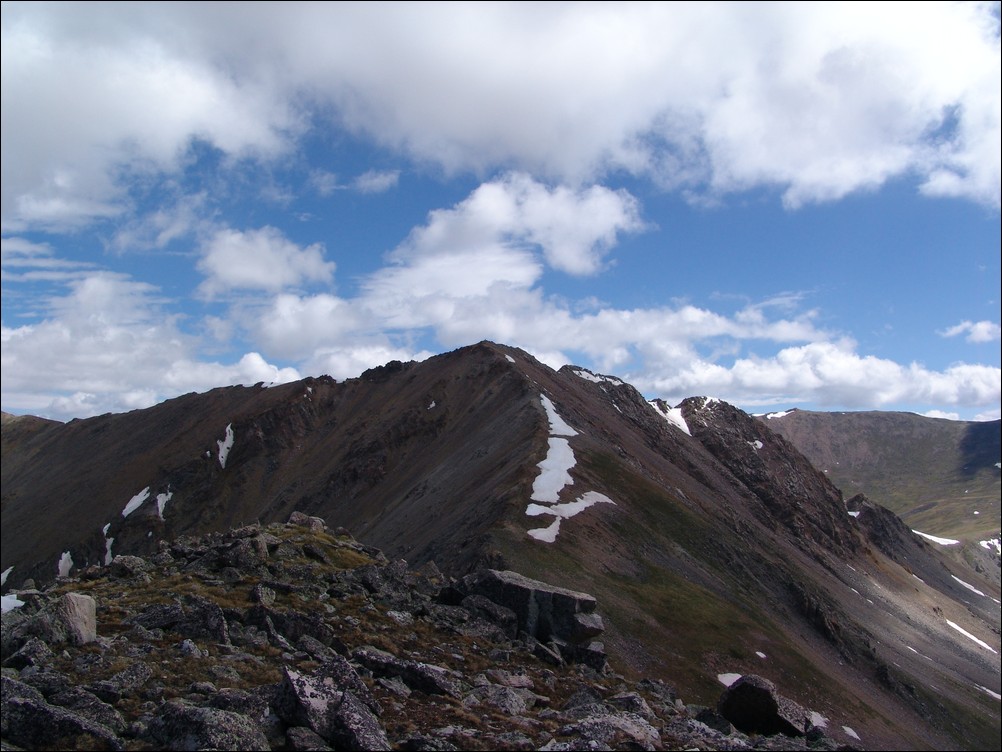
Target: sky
point(779, 205)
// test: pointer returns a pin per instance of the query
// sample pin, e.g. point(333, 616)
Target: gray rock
point(10, 689)
point(302, 739)
point(90, 706)
point(600, 731)
point(34, 652)
point(177, 726)
point(424, 677)
point(37, 725)
point(128, 566)
point(78, 613)
point(336, 716)
point(505, 699)
point(123, 684)
point(753, 706)
point(542, 610)
point(316, 524)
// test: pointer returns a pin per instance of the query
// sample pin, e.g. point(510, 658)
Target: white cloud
point(977, 332)
point(816, 100)
point(110, 345)
point(261, 259)
point(376, 181)
point(941, 414)
point(832, 373)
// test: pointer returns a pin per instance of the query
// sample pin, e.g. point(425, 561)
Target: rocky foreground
point(297, 637)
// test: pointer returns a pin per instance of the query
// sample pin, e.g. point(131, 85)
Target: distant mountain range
point(940, 476)
point(712, 543)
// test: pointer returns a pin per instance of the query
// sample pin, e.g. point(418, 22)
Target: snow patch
point(968, 586)
point(3, 577)
point(9, 603)
point(225, 446)
point(136, 501)
point(968, 635)
point(818, 720)
point(996, 695)
point(432, 405)
point(162, 499)
point(849, 732)
point(728, 679)
point(509, 359)
point(673, 415)
point(760, 654)
point(756, 445)
point(772, 416)
point(854, 514)
point(934, 539)
point(558, 427)
point(991, 543)
point(596, 378)
point(108, 556)
point(65, 564)
point(547, 534)
point(554, 471)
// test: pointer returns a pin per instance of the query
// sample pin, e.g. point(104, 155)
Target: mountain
point(940, 476)
point(713, 545)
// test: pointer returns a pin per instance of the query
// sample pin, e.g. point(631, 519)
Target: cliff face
point(709, 540)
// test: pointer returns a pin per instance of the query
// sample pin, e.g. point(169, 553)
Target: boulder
point(78, 612)
point(177, 726)
point(316, 524)
point(32, 724)
point(542, 610)
point(754, 707)
point(424, 677)
point(336, 715)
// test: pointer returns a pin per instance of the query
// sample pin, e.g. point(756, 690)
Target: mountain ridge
point(724, 534)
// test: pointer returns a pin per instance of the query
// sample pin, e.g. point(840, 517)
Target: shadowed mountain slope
point(721, 544)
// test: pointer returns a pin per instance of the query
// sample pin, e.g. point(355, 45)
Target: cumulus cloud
point(816, 100)
point(832, 373)
point(261, 259)
point(110, 345)
point(977, 332)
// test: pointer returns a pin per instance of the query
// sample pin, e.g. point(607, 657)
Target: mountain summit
point(714, 546)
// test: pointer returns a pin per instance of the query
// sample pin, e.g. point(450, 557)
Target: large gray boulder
point(177, 726)
point(336, 715)
point(33, 724)
point(754, 706)
point(543, 611)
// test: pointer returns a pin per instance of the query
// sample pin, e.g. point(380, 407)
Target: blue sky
point(783, 205)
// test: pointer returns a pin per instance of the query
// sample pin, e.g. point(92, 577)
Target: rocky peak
point(296, 636)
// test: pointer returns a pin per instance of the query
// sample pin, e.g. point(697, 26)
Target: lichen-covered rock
point(425, 677)
point(32, 724)
point(178, 726)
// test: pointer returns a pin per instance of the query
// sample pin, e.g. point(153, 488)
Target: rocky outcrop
point(754, 706)
point(324, 643)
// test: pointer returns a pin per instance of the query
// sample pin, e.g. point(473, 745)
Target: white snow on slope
point(225, 446)
point(162, 499)
point(756, 445)
point(3, 577)
point(968, 586)
point(674, 416)
point(967, 634)
point(136, 501)
point(510, 359)
point(934, 539)
point(818, 720)
point(107, 544)
point(558, 427)
point(849, 732)
point(9, 603)
point(554, 475)
point(589, 376)
point(728, 679)
point(554, 471)
point(996, 695)
point(65, 564)
point(991, 543)
point(854, 514)
point(771, 416)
